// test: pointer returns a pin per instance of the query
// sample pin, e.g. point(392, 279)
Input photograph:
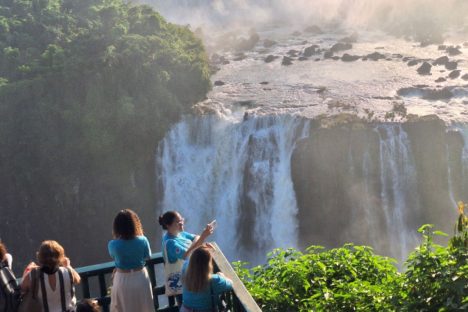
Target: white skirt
point(132, 292)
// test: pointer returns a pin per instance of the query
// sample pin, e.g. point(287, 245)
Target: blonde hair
point(51, 254)
point(199, 270)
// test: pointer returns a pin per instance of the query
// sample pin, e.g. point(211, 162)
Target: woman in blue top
point(201, 287)
point(131, 289)
point(177, 245)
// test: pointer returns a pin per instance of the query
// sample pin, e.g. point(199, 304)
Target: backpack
point(10, 294)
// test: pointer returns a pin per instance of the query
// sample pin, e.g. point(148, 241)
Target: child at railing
point(201, 288)
point(177, 245)
point(131, 290)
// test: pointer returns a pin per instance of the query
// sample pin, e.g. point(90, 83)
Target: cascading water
point(235, 170)
point(398, 188)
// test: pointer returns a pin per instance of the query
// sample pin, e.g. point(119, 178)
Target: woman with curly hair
point(131, 290)
point(54, 276)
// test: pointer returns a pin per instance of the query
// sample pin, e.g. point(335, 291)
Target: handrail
point(239, 300)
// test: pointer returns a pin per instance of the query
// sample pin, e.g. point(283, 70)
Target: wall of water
point(284, 181)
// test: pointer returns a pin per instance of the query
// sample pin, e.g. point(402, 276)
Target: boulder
point(341, 46)
point(309, 51)
point(440, 79)
point(441, 60)
point(375, 56)
point(248, 44)
point(442, 47)
point(464, 77)
point(314, 29)
point(452, 51)
point(328, 54)
point(286, 61)
point(350, 58)
point(413, 62)
point(270, 58)
point(219, 83)
point(240, 57)
point(350, 39)
point(267, 43)
point(454, 74)
point(451, 65)
point(303, 58)
point(292, 53)
point(425, 69)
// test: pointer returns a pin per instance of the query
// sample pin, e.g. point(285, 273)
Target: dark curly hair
point(88, 305)
point(127, 225)
point(166, 219)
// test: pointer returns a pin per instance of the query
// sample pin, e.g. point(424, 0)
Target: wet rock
point(425, 69)
point(328, 54)
point(350, 39)
point(454, 74)
point(248, 44)
point(240, 57)
point(452, 51)
point(441, 79)
point(317, 59)
point(406, 59)
point(364, 58)
point(292, 53)
point(341, 46)
point(397, 55)
point(264, 82)
point(267, 43)
point(413, 62)
point(350, 58)
point(442, 47)
point(464, 77)
point(335, 58)
point(303, 58)
point(309, 51)
point(314, 29)
point(246, 103)
point(286, 61)
point(426, 93)
point(219, 83)
point(451, 65)
point(441, 60)
point(375, 56)
point(270, 58)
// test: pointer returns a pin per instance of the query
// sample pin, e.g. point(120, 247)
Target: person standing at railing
point(177, 245)
point(201, 288)
point(5, 257)
point(131, 290)
point(54, 276)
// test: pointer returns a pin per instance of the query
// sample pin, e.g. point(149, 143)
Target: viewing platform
point(96, 280)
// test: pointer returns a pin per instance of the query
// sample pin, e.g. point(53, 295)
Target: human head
point(51, 254)
point(199, 269)
point(127, 225)
point(88, 305)
point(3, 252)
point(172, 221)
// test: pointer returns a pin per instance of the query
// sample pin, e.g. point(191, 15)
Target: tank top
point(53, 296)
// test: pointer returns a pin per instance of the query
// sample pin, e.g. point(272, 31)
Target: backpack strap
point(44, 292)
point(33, 280)
point(62, 290)
point(72, 288)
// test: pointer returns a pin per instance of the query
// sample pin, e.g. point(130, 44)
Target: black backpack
point(10, 294)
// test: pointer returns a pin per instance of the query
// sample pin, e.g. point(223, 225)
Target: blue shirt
point(177, 246)
point(202, 300)
point(129, 253)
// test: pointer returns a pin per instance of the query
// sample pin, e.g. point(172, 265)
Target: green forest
point(87, 90)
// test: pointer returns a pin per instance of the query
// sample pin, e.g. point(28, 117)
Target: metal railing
point(99, 275)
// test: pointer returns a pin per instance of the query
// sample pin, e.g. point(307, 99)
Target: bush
point(353, 278)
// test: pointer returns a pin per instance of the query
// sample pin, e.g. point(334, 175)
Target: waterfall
point(399, 193)
point(238, 171)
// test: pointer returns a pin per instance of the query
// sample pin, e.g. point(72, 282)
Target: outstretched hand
point(209, 229)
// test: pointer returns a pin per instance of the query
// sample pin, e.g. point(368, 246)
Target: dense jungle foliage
point(353, 278)
point(87, 90)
